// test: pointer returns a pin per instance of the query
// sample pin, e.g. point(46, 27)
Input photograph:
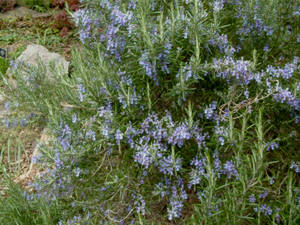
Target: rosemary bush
point(180, 112)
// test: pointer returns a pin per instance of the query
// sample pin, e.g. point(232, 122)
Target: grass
point(17, 33)
point(4, 64)
point(16, 209)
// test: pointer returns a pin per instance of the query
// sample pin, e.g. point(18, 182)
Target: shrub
point(62, 18)
point(177, 113)
point(38, 3)
point(6, 5)
point(72, 4)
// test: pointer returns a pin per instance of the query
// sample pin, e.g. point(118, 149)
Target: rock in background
point(38, 56)
point(22, 11)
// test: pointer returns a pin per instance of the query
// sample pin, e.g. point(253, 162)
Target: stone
point(38, 56)
point(21, 11)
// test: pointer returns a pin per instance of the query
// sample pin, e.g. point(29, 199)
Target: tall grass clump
point(176, 112)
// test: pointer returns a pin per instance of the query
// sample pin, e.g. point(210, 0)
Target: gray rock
point(37, 56)
point(23, 12)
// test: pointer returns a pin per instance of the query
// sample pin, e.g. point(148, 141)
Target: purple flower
point(74, 118)
point(230, 170)
point(106, 131)
point(7, 105)
point(295, 165)
point(14, 64)
point(148, 66)
point(23, 122)
point(263, 195)
point(140, 204)
point(285, 95)
point(58, 162)
point(272, 145)
point(209, 110)
point(163, 57)
point(200, 138)
point(168, 164)
point(252, 198)
point(269, 30)
point(64, 138)
point(246, 93)
point(175, 209)
point(217, 164)
point(221, 133)
point(91, 134)
point(132, 4)
point(77, 171)
point(130, 134)
point(178, 195)
point(144, 155)
point(218, 5)
point(179, 135)
point(266, 210)
point(286, 72)
point(266, 48)
point(118, 17)
point(118, 136)
point(81, 91)
point(83, 20)
point(233, 70)
point(199, 171)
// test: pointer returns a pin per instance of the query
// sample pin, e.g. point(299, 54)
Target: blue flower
point(168, 164)
point(230, 170)
point(179, 135)
point(118, 136)
point(263, 195)
point(252, 198)
point(272, 145)
point(218, 5)
point(74, 118)
point(149, 66)
point(296, 166)
point(266, 210)
point(81, 91)
point(7, 105)
point(91, 134)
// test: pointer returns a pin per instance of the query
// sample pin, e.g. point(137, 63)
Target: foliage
point(38, 3)
point(4, 64)
point(39, 31)
point(72, 4)
point(62, 18)
point(180, 112)
point(16, 209)
point(6, 5)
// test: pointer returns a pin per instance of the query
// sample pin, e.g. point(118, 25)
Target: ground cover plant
point(176, 112)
